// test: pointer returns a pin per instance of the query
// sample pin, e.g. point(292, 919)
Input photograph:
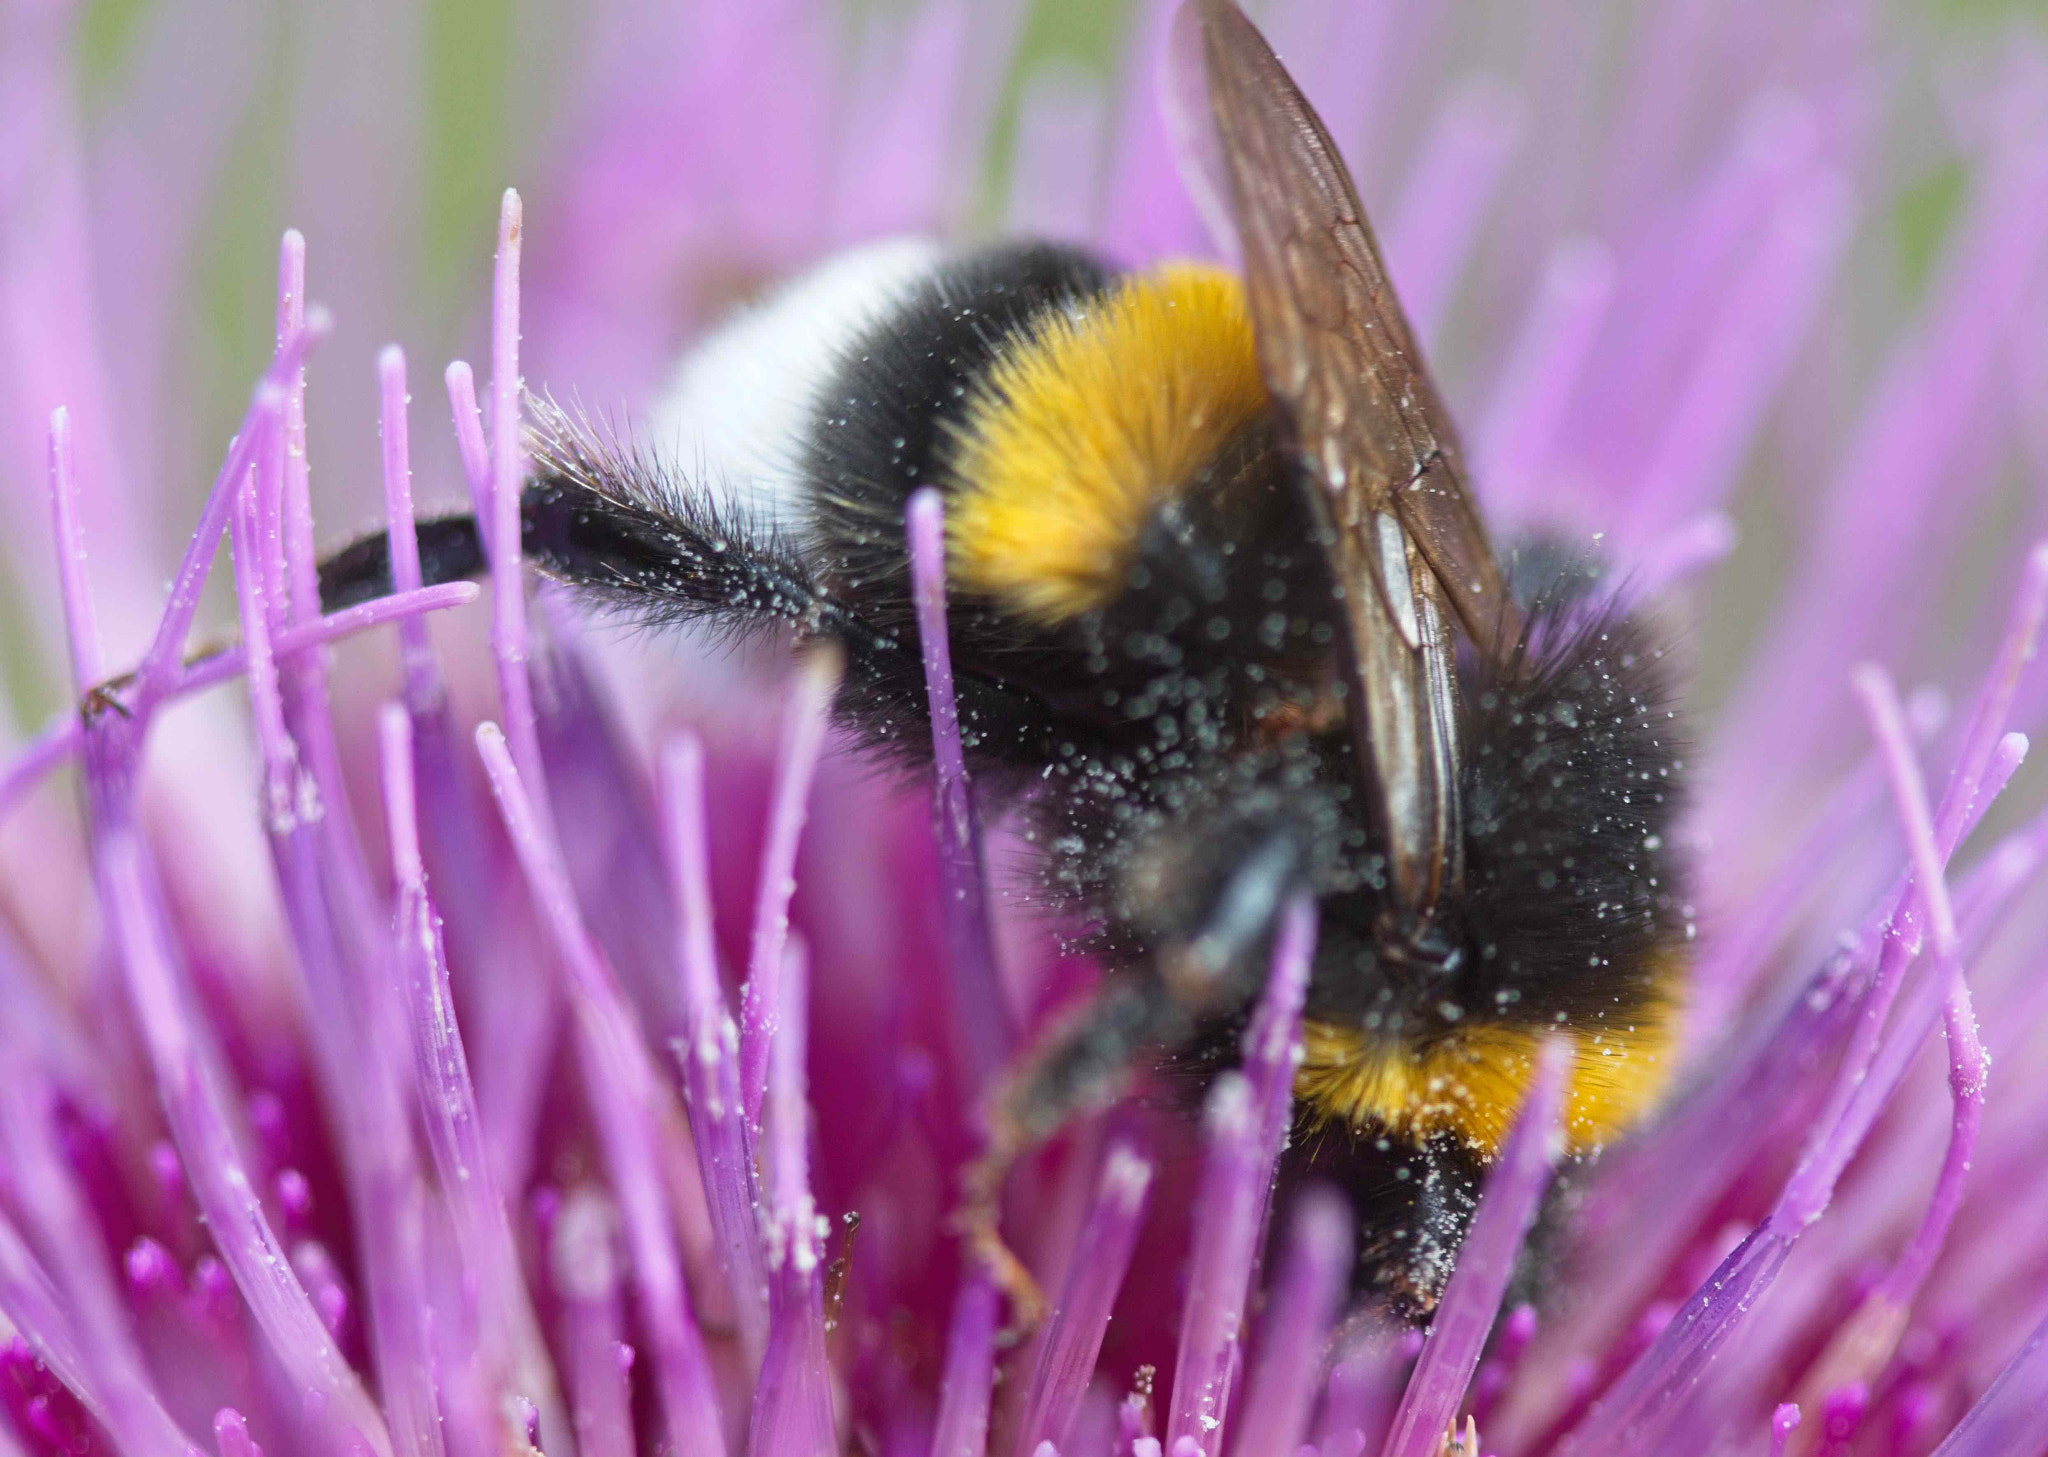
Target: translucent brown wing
point(1341, 363)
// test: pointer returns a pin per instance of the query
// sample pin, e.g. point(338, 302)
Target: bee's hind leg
point(1080, 1066)
point(1210, 968)
point(105, 698)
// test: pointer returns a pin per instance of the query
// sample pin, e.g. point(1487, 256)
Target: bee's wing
point(1341, 364)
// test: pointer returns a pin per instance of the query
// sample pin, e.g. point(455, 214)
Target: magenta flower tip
point(1784, 1422)
point(1071, 1339)
point(231, 1434)
point(470, 444)
point(506, 454)
point(803, 738)
point(150, 1267)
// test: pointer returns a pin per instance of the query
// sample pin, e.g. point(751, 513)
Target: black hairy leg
point(450, 548)
point(1189, 939)
point(1413, 1203)
point(628, 537)
point(609, 524)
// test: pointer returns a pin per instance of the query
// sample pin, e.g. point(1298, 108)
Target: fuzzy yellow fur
point(1086, 425)
point(1470, 1083)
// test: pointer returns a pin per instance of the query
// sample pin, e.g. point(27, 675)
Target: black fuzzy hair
point(605, 516)
point(625, 531)
point(882, 424)
point(1573, 783)
point(1573, 911)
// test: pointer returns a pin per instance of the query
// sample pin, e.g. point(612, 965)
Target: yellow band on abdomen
point(1469, 1083)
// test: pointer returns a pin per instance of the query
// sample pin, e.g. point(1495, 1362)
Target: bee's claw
point(1456, 1443)
point(104, 698)
point(1027, 1302)
point(976, 1222)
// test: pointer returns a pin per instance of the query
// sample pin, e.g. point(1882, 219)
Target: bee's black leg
point(104, 698)
point(1080, 1066)
point(1211, 968)
point(451, 550)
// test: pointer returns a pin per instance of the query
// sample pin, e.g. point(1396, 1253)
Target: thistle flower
point(495, 1057)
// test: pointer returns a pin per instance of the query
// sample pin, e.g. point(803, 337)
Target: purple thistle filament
point(983, 1019)
point(500, 510)
point(1307, 1297)
point(63, 740)
point(792, 1400)
point(709, 1052)
point(585, 1267)
point(622, 1088)
point(187, 1077)
point(961, 1426)
point(2013, 1416)
point(336, 1118)
point(81, 624)
point(1245, 1126)
point(1507, 1207)
point(803, 736)
point(221, 1185)
point(1072, 1337)
point(1968, 1061)
point(422, 682)
point(161, 662)
point(510, 1346)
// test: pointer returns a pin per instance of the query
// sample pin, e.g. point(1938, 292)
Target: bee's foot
point(976, 1223)
point(104, 698)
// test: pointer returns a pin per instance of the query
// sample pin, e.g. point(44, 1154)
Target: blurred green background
point(487, 105)
point(481, 83)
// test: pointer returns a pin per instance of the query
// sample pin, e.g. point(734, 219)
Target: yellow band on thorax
point(1084, 426)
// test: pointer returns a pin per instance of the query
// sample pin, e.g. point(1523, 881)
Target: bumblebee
point(1226, 629)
